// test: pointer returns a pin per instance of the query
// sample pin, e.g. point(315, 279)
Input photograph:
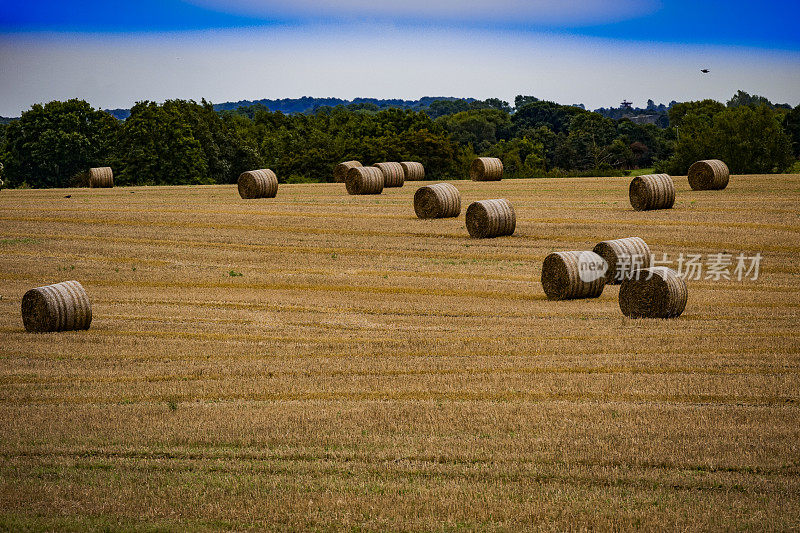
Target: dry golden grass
point(373, 371)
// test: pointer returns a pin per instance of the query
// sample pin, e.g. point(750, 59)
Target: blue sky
point(767, 24)
point(591, 51)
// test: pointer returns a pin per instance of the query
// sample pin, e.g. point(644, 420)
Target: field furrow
point(320, 358)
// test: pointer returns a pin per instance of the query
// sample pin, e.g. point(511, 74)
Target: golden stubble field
point(372, 371)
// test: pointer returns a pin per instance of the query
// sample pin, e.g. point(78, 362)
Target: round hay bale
point(393, 174)
point(262, 183)
point(60, 307)
point(573, 275)
point(101, 177)
point(413, 171)
point(486, 169)
point(491, 218)
point(708, 175)
point(656, 292)
point(441, 200)
point(652, 191)
point(623, 257)
point(364, 180)
point(340, 170)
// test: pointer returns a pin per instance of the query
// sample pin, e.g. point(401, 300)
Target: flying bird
point(704, 70)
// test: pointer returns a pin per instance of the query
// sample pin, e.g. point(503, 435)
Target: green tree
point(547, 139)
point(481, 128)
point(433, 149)
point(748, 140)
point(648, 142)
point(226, 154)
point(521, 100)
point(440, 108)
point(535, 114)
point(703, 108)
point(245, 111)
point(364, 107)
point(601, 129)
point(695, 142)
point(522, 157)
point(3, 153)
point(156, 147)
point(307, 147)
point(588, 142)
point(621, 155)
point(792, 125)
point(492, 103)
point(742, 98)
point(183, 142)
point(752, 140)
point(50, 144)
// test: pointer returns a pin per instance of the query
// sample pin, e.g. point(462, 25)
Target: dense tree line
point(750, 134)
point(658, 113)
point(309, 105)
point(184, 142)
point(52, 143)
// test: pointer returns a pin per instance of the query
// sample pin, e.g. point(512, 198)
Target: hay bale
point(364, 180)
point(101, 177)
point(486, 169)
point(708, 175)
point(440, 200)
point(393, 174)
point(340, 170)
point(652, 191)
point(623, 257)
point(60, 307)
point(262, 183)
point(491, 218)
point(573, 275)
point(413, 171)
point(656, 292)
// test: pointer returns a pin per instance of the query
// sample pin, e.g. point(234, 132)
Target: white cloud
point(539, 12)
point(388, 62)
